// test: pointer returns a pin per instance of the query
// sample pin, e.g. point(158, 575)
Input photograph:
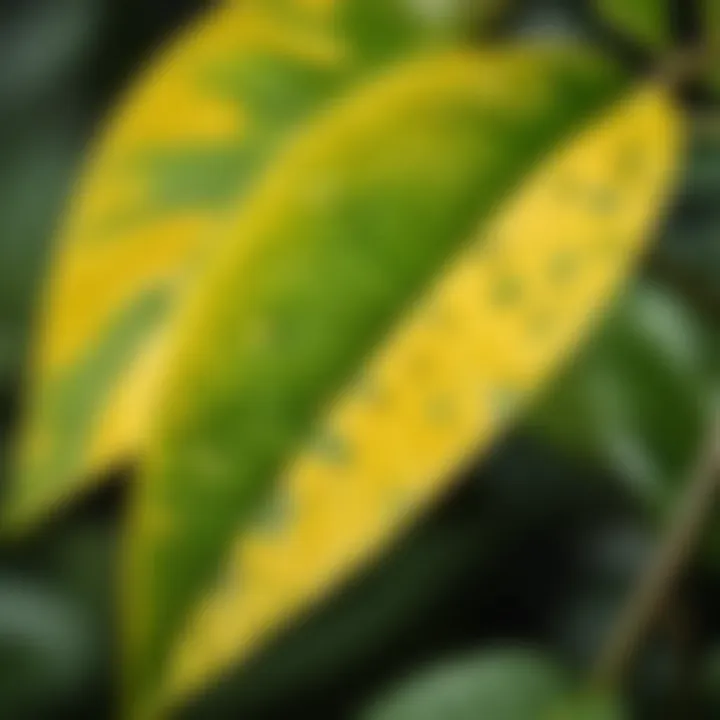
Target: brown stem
point(686, 65)
point(657, 586)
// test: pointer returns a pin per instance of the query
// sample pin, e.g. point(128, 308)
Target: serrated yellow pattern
point(472, 352)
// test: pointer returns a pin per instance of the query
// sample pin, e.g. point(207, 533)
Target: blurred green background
point(535, 551)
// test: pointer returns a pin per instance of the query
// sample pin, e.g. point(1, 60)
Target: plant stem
point(685, 66)
point(658, 584)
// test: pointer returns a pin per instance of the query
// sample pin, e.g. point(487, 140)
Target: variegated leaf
point(375, 318)
point(193, 135)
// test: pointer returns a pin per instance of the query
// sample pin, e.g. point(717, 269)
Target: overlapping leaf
point(647, 21)
point(198, 129)
point(506, 684)
point(367, 327)
point(635, 399)
point(502, 685)
point(712, 21)
point(657, 24)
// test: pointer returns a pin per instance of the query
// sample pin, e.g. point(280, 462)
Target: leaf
point(712, 23)
point(703, 167)
point(499, 685)
point(589, 707)
point(371, 616)
point(504, 684)
point(38, 163)
point(688, 255)
point(710, 680)
point(45, 648)
point(647, 21)
point(192, 137)
point(42, 48)
point(357, 345)
point(636, 398)
point(657, 24)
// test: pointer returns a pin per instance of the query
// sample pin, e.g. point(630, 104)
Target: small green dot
point(332, 447)
point(507, 291)
point(275, 513)
point(630, 161)
point(420, 365)
point(441, 410)
point(442, 316)
point(604, 200)
point(611, 245)
point(541, 325)
point(567, 187)
point(563, 266)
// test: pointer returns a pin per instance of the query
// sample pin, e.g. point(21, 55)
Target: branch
point(655, 589)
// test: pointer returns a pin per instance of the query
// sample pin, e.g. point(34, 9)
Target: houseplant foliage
point(335, 248)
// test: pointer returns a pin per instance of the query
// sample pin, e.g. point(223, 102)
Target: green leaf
point(372, 321)
point(45, 47)
point(38, 166)
point(710, 680)
point(46, 648)
point(589, 707)
point(712, 24)
point(651, 23)
point(703, 165)
point(197, 130)
point(503, 684)
point(647, 21)
point(637, 397)
point(688, 255)
point(493, 685)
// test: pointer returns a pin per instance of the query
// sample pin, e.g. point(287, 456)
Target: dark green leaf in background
point(506, 684)
point(45, 55)
point(39, 164)
point(647, 21)
point(665, 26)
point(688, 254)
point(635, 399)
point(502, 685)
point(45, 648)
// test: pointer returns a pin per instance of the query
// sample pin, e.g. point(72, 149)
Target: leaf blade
point(647, 21)
point(407, 452)
point(174, 547)
point(505, 684)
point(711, 16)
point(197, 129)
